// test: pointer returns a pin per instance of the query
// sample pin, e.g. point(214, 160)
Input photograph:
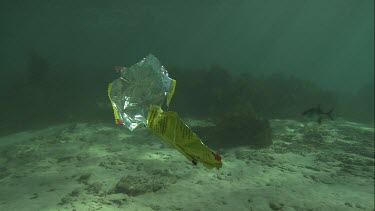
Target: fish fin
point(329, 114)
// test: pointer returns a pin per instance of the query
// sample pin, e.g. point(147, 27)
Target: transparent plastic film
point(143, 84)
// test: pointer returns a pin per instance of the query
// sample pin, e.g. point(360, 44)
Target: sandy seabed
point(86, 166)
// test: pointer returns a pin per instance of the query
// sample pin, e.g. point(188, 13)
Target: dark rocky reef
point(360, 106)
point(238, 128)
point(214, 91)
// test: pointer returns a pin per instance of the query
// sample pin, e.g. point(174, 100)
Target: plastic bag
point(143, 84)
point(137, 97)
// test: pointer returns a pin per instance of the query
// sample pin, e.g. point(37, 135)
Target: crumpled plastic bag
point(143, 84)
point(137, 97)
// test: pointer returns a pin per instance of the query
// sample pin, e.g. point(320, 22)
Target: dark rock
point(132, 186)
point(84, 178)
point(238, 129)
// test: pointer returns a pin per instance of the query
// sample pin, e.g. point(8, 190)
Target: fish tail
point(329, 114)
